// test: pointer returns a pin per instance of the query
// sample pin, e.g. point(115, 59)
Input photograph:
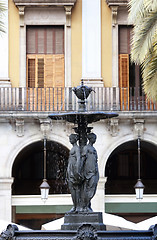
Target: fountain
point(81, 223)
point(82, 172)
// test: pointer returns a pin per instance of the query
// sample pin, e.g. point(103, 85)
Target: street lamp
point(44, 187)
point(139, 187)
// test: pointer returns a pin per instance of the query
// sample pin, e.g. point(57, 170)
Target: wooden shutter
point(31, 73)
point(46, 57)
point(46, 75)
point(31, 81)
point(59, 80)
point(124, 81)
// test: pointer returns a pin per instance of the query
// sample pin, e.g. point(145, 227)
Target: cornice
point(117, 2)
point(36, 3)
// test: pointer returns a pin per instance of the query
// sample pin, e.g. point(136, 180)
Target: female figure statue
point(74, 173)
point(91, 174)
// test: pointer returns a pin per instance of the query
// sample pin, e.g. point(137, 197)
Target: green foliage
point(2, 12)
point(143, 15)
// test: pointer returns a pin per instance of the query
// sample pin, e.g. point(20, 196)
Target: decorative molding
point(93, 82)
point(44, 2)
point(8, 234)
point(19, 127)
point(69, 128)
point(86, 231)
point(45, 126)
point(138, 127)
point(21, 14)
point(68, 15)
point(117, 2)
point(114, 15)
point(113, 126)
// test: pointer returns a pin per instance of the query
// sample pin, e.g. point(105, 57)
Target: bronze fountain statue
point(82, 172)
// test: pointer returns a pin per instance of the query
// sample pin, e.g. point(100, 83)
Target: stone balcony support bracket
point(138, 127)
point(114, 10)
point(114, 5)
point(21, 14)
point(45, 126)
point(19, 127)
point(68, 15)
point(113, 126)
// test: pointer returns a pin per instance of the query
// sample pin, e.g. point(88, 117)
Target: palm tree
point(2, 11)
point(143, 15)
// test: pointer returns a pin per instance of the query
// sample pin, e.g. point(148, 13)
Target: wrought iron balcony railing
point(63, 99)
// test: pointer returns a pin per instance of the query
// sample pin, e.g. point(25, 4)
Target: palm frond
point(149, 74)
point(2, 12)
point(143, 14)
point(150, 5)
point(143, 37)
point(135, 10)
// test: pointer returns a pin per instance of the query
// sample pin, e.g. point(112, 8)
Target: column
point(115, 81)
point(68, 46)
point(91, 41)
point(98, 200)
point(22, 81)
point(5, 198)
point(4, 56)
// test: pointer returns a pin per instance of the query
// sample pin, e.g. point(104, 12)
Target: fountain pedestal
point(72, 221)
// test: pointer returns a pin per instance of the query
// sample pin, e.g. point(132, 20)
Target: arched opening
point(28, 169)
point(28, 174)
point(122, 168)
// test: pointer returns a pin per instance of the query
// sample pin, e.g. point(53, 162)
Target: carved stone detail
point(69, 127)
point(45, 126)
point(21, 14)
point(68, 15)
point(19, 127)
point(117, 2)
point(114, 15)
point(8, 234)
point(86, 232)
point(113, 127)
point(138, 127)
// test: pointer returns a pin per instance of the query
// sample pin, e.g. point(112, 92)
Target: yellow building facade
point(49, 47)
point(76, 43)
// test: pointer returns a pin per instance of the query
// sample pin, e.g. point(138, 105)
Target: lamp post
point(139, 187)
point(44, 187)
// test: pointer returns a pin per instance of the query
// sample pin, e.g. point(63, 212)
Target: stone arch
point(109, 149)
point(122, 167)
point(116, 142)
point(16, 149)
point(28, 169)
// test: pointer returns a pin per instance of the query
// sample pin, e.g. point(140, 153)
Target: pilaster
point(98, 204)
point(114, 10)
point(68, 46)
point(5, 198)
point(91, 41)
point(22, 82)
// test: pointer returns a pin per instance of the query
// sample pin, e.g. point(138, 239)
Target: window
point(129, 73)
point(45, 63)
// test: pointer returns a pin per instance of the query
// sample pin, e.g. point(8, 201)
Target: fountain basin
point(86, 117)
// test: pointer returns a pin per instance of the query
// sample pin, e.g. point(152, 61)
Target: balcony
point(63, 99)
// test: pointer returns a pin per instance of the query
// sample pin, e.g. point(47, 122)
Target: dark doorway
point(28, 170)
point(121, 168)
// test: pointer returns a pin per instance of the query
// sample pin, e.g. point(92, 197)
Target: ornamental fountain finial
point(82, 92)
